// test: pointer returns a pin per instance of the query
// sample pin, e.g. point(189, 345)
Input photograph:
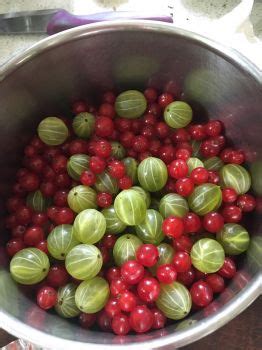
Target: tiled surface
point(224, 20)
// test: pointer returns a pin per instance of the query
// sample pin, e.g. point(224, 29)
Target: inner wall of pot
point(85, 67)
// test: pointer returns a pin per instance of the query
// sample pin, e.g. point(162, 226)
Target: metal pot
point(217, 81)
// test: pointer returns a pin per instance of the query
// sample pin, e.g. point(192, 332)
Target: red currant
point(104, 126)
point(180, 135)
point(183, 153)
point(147, 255)
point(184, 186)
point(97, 165)
point(33, 236)
point(104, 199)
point(64, 216)
point(109, 97)
point(167, 153)
point(154, 109)
point(182, 261)
point(116, 169)
point(246, 203)
point(132, 271)
point(127, 301)
point(13, 203)
point(88, 178)
point(213, 177)
point(113, 273)
point(201, 293)
point(118, 286)
point(24, 215)
point(125, 182)
point(178, 169)
point(29, 182)
point(148, 289)
point(213, 222)
point(215, 282)
point(112, 307)
point(232, 213)
point(197, 132)
point(127, 139)
point(162, 130)
point(77, 146)
point(228, 270)
point(187, 277)
point(108, 241)
point(60, 198)
point(14, 245)
point(166, 273)
point(199, 175)
point(104, 321)
point(165, 99)
point(59, 164)
point(46, 297)
point(107, 110)
point(229, 195)
point(183, 243)
point(173, 227)
point(141, 319)
point(57, 276)
point(140, 144)
point(150, 94)
point(159, 319)
point(79, 107)
point(213, 128)
point(120, 324)
point(103, 148)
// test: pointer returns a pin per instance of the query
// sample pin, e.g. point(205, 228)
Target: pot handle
point(63, 20)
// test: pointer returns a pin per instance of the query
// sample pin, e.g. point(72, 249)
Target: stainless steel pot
point(217, 81)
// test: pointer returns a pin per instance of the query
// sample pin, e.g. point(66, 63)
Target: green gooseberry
point(130, 104)
point(234, 238)
point(82, 197)
point(152, 174)
point(205, 198)
point(236, 177)
point(173, 204)
point(150, 230)
point(113, 223)
point(76, 164)
point(52, 131)
point(84, 125)
point(65, 305)
point(125, 248)
point(178, 114)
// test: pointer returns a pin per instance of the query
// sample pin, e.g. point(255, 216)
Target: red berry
point(213, 128)
point(148, 289)
point(127, 139)
point(79, 107)
point(246, 202)
point(103, 148)
point(178, 169)
point(60, 198)
point(215, 282)
point(104, 321)
point(167, 153)
point(229, 195)
point(59, 164)
point(141, 319)
point(39, 219)
point(147, 255)
point(148, 131)
point(11, 221)
point(225, 155)
point(182, 261)
point(187, 277)
point(125, 183)
point(213, 177)
point(127, 301)
point(228, 270)
point(140, 144)
point(173, 227)
point(232, 213)
point(33, 236)
point(199, 175)
point(116, 169)
point(183, 243)
point(105, 255)
point(165, 99)
point(213, 222)
point(117, 286)
point(184, 186)
point(14, 245)
point(42, 245)
point(183, 153)
point(36, 164)
point(64, 216)
point(29, 182)
point(159, 319)
point(57, 276)
point(154, 147)
point(18, 231)
point(104, 199)
point(24, 215)
point(87, 320)
point(154, 109)
point(132, 272)
point(77, 146)
point(120, 324)
point(30, 151)
point(162, 130)
point(201, 293)
point(170, 186)
point(13, 203)
point(46, 297)
point(51, 212)
point(88, 178)
point(209, 148)
point(150, 94)
point(197, 132)
point(149, 119)
point(97, 165)
point(107, 110)
point(137, 125)
point(63, 181)
point(123, 125)
point(113, 273)
point(48, 173)
point(112, 307)
point(48, 188)
point(236, 157)
point(166, 273)
point(109, 97)
point(18, 190)
point(108, 241)
point(104, 126)
point(180, 135)
point(143, 156)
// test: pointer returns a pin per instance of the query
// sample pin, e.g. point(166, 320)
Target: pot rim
point(244, 298)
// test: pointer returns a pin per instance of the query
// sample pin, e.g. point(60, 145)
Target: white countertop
point(234, 22)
